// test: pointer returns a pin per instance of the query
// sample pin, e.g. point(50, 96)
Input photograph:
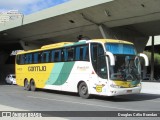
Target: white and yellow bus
point(100, 67)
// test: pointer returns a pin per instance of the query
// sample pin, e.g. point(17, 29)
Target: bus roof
point(64, 44)
point(56, 45)
point(111, 41)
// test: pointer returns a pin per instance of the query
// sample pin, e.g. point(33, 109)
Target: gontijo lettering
point(37, 68)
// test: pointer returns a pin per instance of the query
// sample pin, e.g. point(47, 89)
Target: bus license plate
point(129, 91)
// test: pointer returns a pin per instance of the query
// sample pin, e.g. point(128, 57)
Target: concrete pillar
point(152, 59)
point(105, 32)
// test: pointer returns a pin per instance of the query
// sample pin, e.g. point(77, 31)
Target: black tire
point(83, 90)
point(33, 86)
point(27, 85)
point(11, 83)
point(6, 83)
point(111, 97)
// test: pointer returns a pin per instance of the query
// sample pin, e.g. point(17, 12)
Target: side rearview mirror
point(111, 57)
point(145, 59)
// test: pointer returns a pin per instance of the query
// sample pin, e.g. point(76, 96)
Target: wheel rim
point(84, 90)
point(32, 85)
point(26, 84)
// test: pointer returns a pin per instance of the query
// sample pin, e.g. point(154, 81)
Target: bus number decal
point(99, 88)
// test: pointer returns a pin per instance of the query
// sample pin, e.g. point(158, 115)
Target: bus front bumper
point(124, 91)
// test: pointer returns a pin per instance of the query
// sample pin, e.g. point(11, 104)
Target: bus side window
point(57, 56)
point(70, 54)
point(86, 53)
point(45, 56)
point(63, 54)
point(36, 57)
point(31, 58)
point(99, 60)
point(96, 50)
point(22, 59)
point(18, 59)
point(28, 59)
point(78, 51)
point(52, 55)
point(82, 53)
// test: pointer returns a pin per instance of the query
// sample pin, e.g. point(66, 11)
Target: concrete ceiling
point(66, 21)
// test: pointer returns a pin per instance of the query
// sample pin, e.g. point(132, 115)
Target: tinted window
point(45, 57)
point(57, 55)
point(28, 59)
point(82, 53)
point(22, 59)
point(37, 57)
point(18, 59)
point(99, 60)
point(69, 54)
point(75, 53)
point(52, 55)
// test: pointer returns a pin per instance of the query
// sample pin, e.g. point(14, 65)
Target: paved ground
point(15, 98)
point(151, 88)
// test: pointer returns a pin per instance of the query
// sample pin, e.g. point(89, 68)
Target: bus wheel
point(27, 85)
point(11, 83)
point(33, 87)
point(83, 90)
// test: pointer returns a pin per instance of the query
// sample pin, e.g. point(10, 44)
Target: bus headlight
point(139, 85)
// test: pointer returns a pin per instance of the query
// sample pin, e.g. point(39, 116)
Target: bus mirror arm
point(145, 59)
point(111, 57)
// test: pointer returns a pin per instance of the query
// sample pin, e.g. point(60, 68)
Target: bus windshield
point(127, 64)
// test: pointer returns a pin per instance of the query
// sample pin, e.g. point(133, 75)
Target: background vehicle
point(11, 79)
point(101, 67)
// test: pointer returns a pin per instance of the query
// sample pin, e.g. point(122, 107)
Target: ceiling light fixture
point(5, 34)
point(142, 5)
point(71, 21)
